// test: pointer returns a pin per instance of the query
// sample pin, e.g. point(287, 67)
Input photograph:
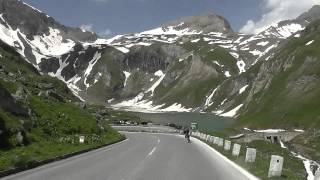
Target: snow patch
point(232, 113)
point(282, 145)
point(217, 63)
point(263, 43)
point(297, 35)
point(170, 30)
point(176, 108)
point(241, 66)
point(122, 49)
point(255, 52)
point(127, 75)
point(270, 131)
point(299, 130)
point(309, 43)
point(235, 55)
point(52, 44)
point(243, 89)
point(227, 74)
point(195, 41)
point(94, 60)
point(222, 103)
point(209, 98)
point(161, 76)
point(288, 30)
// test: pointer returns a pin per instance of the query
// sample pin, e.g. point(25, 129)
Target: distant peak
point(206, 23)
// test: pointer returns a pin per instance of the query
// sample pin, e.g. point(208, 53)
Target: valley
point(60, 83)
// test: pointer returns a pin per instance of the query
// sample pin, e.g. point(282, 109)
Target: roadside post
point(227, 145)
point(251, 155)
point(236, 149)
point(276, 164)
point(81, 139)
point(220, 144)
point(317, 175)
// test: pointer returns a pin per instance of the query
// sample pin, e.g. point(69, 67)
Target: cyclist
point(187, 134)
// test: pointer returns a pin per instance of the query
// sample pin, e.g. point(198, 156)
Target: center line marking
point(152, 151)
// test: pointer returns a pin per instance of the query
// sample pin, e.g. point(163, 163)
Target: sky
point(113, 17)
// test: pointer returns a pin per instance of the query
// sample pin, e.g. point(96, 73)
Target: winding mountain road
point(142, 157)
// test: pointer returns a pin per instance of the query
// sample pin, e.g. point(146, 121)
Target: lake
point(206, 121)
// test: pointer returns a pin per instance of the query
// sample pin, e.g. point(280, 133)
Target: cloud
point(275, 11)
point(86, 27)
point(105, 33)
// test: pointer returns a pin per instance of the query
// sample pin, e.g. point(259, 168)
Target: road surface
point(142, 157)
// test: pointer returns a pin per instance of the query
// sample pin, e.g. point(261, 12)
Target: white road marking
point(158, 141)
point(152, 151)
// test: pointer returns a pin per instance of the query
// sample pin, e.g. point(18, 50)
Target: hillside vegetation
point(39, 116)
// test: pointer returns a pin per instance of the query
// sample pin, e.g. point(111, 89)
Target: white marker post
point(212, 139)
point(227, 145)
point(208, 138)
point(204, 137)
point(251, 155)
point(216, 140)
point(220, 144)
point(276, 164)
point(236, 149)
point(81, 139)
point(317, 175)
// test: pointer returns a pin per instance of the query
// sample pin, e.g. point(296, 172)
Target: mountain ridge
point(170, 68)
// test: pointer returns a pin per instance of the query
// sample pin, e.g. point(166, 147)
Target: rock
point(206, 23)
point(8, 103)
point(82, 105)
point(21, 94)
point(11, 75)
point(45, 86)
point(56, 96)
point(43, 94)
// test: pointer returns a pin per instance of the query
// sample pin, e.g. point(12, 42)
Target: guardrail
point(276, 162)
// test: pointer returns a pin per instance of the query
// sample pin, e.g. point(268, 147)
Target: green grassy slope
point(292, 97)
point(49, 123)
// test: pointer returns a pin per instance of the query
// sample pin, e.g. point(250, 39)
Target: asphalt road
point(142, 157)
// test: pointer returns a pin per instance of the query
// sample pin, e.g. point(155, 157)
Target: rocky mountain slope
point(193, 64)
point(36, 107)
point(286, 88)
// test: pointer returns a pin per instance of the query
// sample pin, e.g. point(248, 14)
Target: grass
point(44, 150)
point(307, 144)
point(53, 124)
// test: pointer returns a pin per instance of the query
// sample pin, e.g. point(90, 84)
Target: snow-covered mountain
point(193, 64)
point(36, 35)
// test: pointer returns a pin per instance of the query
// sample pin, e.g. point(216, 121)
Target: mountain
point(38, 109)
point(209, 22)
point(36, 35)
point(287, 28)
point(285, 91)
point(195, 63)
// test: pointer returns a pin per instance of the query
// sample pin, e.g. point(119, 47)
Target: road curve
point(141, 157)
